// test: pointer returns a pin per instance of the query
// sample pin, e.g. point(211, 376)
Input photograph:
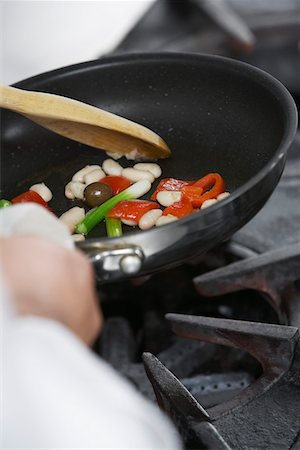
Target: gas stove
point(215, 342)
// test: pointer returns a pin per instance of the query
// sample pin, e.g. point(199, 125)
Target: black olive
point(97, 193)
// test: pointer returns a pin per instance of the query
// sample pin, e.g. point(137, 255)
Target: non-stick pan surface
point(216, 114)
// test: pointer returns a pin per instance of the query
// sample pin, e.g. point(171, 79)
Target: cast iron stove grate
point(237, 391)
point(264, 415)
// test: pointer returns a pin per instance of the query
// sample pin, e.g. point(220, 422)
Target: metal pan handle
point(113, 261)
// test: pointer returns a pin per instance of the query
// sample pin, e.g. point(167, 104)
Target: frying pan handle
point(113, 261)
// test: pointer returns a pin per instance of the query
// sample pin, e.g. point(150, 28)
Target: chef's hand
point(45, 279)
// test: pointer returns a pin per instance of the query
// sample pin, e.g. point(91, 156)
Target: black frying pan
point(216, 114)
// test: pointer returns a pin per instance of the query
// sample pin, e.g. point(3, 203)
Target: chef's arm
point(47, 280)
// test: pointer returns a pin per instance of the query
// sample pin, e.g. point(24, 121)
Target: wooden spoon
point(84, 123)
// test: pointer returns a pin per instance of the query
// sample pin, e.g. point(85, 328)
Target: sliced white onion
point(78, 189)
point(139, 188)
point(167, 198)
point(112, 168)
point(78, 176)
point(68, 191)
point(134, 154)
point(78, 237)
point(93, 176)
point(42, 190)
point(130, 223)
point(149, 167)
point(164, 220)
point(72, 217)
point(114, 155)
point(208, 203)
point(136, 175)
point(223, 195)
point(149, 219)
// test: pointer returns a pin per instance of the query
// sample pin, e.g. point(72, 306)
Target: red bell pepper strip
point(118, 184)
point(213, 181)
point(170, 184)
point(179, 209)
point(131, 209)
point(30, 196)
point(192, 193)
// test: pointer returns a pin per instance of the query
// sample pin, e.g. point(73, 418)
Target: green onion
point(137, 190)
point(5, 203)
point(113, 227)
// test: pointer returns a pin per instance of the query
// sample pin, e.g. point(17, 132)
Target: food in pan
point(4, 203)
point(113, 194)
point(30, 196)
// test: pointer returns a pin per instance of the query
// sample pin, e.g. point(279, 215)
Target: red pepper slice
point(118, 184)
point(213, 181)
point(131, 209)
point(179, 209)
point(170, 184)
point(192, 193)
point(30, 196)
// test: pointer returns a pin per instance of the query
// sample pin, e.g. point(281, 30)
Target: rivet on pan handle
point(113, 261)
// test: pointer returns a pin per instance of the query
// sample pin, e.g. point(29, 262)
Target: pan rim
point(266, 80)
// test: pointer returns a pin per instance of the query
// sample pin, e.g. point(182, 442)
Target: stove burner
point(263, 415)
point(273, 273)
point(135, 323)
point(216, 376)
point(118, 347)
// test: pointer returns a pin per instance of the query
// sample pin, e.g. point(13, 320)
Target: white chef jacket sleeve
point(56, 393)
